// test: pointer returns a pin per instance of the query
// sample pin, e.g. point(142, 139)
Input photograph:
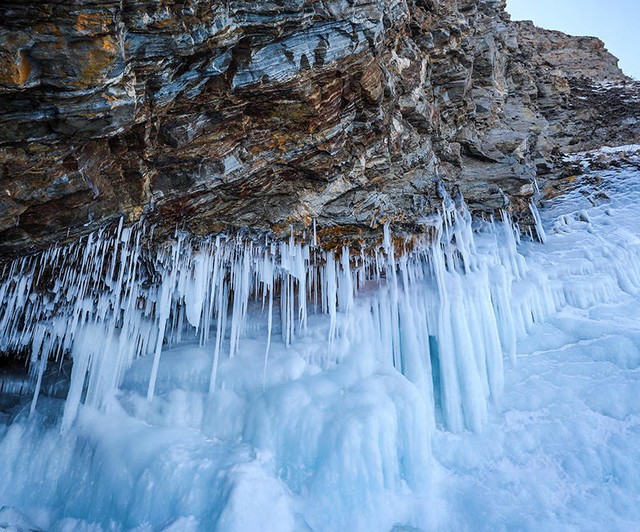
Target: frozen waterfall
point(440, 311)
point(235, 383)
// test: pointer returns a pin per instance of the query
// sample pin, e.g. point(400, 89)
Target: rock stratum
point(217, 115)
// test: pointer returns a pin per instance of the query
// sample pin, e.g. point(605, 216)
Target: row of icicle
point(443, 313)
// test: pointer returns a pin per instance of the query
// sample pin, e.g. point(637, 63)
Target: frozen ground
point(564, 451)
point(333, 437)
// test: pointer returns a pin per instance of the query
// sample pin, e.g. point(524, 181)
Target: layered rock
point(214, 115)
point(586, 99)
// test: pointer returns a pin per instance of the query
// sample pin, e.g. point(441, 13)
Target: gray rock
point(267, 115)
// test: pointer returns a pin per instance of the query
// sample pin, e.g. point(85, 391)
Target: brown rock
point(268, 115)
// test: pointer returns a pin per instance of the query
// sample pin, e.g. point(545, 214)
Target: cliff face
point(220, 114)
point(582, 94)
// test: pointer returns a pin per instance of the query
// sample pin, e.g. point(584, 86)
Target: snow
point(603, 152)
point(472, 382)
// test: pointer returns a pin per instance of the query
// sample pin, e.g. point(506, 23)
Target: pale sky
point(616, 22)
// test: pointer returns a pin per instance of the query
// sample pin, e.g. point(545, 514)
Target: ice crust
point(231, 384)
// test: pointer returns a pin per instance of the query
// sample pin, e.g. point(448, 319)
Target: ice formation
point(111, 299)
point(245, 384)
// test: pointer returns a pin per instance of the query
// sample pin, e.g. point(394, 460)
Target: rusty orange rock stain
point(99, 60)
point(93, 22)
point(15, 70)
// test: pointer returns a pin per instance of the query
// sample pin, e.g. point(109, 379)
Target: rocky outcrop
point(580, 91)
point(215, 115)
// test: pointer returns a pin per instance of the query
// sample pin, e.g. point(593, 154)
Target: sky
point(616, 22)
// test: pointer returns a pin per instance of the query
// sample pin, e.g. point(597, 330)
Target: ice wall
point(439, 309)
point(321, 375)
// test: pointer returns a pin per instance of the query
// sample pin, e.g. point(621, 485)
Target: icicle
point(443, 313)
point(269, 328)
point(223, 298)
point(39, 362)
point(315, 235)
point(345, 295)
point(163, 314)
point(542, 236)
point(331, 294)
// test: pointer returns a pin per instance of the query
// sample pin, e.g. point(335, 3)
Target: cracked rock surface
point(216, 115)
